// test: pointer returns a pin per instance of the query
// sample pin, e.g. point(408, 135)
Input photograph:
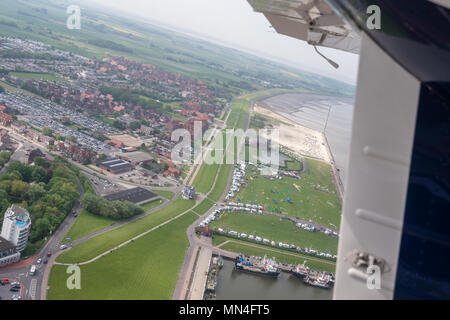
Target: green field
point(239, 111)
point(86, 224)
point(151, 205)
point(101, 243)
point(147, 268)
point(204, 180)
point(204, 206)
point(139, 40)
point(163, 193)
point(221, 182)
point(40, 76)
point(317, 199)
point(280, 256)
point(276, 229)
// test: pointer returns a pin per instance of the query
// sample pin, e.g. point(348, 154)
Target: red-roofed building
point(172, 172)
point(173, 125)
point(119, 108)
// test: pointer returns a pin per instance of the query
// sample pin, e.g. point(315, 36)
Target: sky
point(234, 23)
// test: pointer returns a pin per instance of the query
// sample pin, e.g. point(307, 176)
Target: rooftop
point(5, 245)
point(18, 212)
point(135, 195)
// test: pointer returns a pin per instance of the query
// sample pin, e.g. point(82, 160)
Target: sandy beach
point(301, 140)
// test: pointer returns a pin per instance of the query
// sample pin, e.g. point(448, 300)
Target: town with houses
point(113, 107)
point(112, 119)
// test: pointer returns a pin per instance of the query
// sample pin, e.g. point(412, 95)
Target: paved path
point(187, 270)
point(20, 270)
point(126, 242)
point(197, 287)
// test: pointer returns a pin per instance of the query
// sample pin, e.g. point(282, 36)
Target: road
point(185, 282)
point(32, 284)
point(34, 287)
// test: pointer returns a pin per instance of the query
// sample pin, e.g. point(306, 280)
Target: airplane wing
point(313, 21)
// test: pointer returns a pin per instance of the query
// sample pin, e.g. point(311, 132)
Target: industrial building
point(136, 195)
point(115, 166)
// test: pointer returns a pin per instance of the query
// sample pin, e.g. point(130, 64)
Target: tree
point(2, 89)
point(35, 192)
point(39, 174)
point(19, 189)
point(47, 131)
point(23, 169)
point(119, 125)
point(42, 162)
point(135, 125)
point(60, 137)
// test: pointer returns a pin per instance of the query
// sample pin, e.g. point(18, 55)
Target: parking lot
point(5, 289)
point(137, 176)
point(103, 186)
point(42, 113)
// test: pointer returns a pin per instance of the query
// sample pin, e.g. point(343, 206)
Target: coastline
point(299, 131)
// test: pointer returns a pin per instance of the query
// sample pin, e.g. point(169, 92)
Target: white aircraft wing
point(313, 21)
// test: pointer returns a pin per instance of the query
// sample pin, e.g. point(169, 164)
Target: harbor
point(232, 278)
point(237, 285)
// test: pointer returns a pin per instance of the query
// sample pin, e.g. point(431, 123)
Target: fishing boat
point(257, 265)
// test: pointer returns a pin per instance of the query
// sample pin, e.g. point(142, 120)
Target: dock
point(201, 268)
point(232, 256)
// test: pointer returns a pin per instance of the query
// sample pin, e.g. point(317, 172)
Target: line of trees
point(4, 158)
point(116, 210)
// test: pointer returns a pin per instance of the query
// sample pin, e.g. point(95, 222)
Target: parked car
point(63, 247)
point(39, 261)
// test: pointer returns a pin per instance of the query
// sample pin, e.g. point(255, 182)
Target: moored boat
point(261, 266)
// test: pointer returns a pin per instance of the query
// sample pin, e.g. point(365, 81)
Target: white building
point(8, 253)
point(16, 226)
